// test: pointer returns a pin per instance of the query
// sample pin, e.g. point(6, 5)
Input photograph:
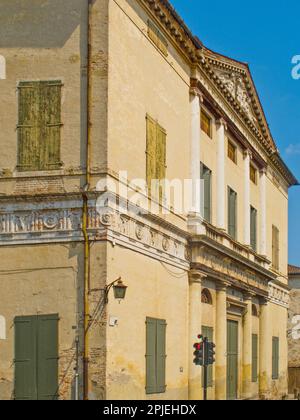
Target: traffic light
point(210, 353)
point(199, 354)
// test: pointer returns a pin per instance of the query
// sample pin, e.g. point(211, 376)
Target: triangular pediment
point(236, 78)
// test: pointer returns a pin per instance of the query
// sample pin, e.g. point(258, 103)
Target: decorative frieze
point(279, 295)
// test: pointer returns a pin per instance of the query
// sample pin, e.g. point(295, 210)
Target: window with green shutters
point(39, 125)
point(275, 358)
point(253, 228)
point(232, 213)
point(206, 176)
point(155, 356)
point(156, 157)
point(254, 357)
point(209, 333)
point(36, 357)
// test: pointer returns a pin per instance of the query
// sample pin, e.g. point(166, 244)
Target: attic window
point(157, 38)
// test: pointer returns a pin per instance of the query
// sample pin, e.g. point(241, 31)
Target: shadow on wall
point(39, 23)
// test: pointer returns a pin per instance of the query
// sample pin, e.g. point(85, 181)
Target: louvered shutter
point(161, 356)
point(25, 387)
point(47, 333)
point(206, 177)
point(232, 196)
point(150, 356)
point(151, 153)
point(253, 228)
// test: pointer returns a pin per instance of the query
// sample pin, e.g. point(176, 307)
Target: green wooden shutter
point(232, 209)
point(25, 358)
point(253, 228)
point(150, 356)
point(28, 126)
point(275, 247)
point(47, 341)
point(209, 333)
point(254, 357)
point(161, 158)
point(161, 356)
point(275, 358)
point(151, 152)
point(50, 117)
point(206, 177)
point(39, 125)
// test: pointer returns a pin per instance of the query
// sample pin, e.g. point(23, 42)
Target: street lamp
point(119, 290)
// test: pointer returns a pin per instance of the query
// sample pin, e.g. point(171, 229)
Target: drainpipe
point(86, 291)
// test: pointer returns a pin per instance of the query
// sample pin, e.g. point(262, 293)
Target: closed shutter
point(161, 356)
point(209, 333)
point(39, 125)
point(254, 357)
point(253, 228)
point(275, 247)
point(275, 358)
point(206, 177)
point(232, 204)
point(151, 153)
point(47, 334)
point(36, 357)
point(25, 359)
point(155, 356)
point(50, 114)
point(28, 126)
point(161, 159)
point(150, 356)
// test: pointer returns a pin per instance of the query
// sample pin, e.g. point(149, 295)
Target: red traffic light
point(198, 346)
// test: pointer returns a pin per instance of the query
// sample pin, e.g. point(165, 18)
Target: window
point(254, 310)
point(254, 357)
point(275, 248)
point(209, 333)
point(39, 125)
point(253, 228)
point(253, 174)
point(156, 158)
point(206, 297)
point(232, 213)
point(206, 177)
point(275, 358)
point(232, 152)
point(155, 356)
point(36, 357)
point(206, 125)
point(157, 38)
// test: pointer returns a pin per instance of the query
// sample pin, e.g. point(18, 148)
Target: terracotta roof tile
point(293, 269)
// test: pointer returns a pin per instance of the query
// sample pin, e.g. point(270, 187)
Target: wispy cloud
point(293, 149)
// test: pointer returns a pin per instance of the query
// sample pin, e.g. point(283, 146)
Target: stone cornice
point(174, 26)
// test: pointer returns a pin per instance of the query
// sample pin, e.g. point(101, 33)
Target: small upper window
point(253, 174)
point(232, 152)
point(157, 37)
point(206, 297)
point(206, 124)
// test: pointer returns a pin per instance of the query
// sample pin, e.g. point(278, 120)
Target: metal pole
point(77, 370)
point(205, 376)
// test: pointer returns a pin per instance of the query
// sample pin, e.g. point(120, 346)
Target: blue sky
point(266, 35)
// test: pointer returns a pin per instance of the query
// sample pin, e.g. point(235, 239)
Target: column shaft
point(195, 153)
point(263, 212)
point(247, 198)
point(195, 325)
point(221, 175)
point(221, 342)
point(265, 351)
point(247, 349)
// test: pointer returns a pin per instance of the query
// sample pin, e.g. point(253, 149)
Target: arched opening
point(206, 297)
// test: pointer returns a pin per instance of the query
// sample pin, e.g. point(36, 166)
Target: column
point(247, 157)
point(195, 219)
point(221, 341)
point(247, 347)
point(263, 212)
point(195, 327)
point(265, 350)
point(221, 126)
